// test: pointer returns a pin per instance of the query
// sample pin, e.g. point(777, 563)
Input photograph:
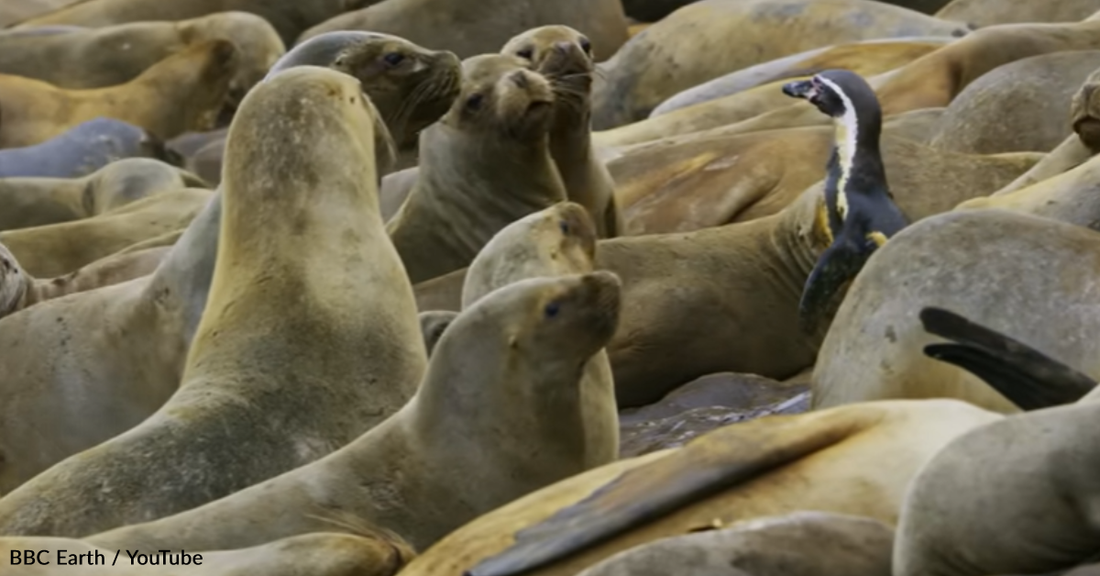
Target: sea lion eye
point(552, 309)
point(474, 102)
point(526, 53)
point(564, 227)
point(586, 45)
point(394, 58)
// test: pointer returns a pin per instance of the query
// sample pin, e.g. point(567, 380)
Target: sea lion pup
point(32, 202)
point(1054, 305)
point(476, 435)
point(57, 249)
point(564, 56)
point(289, 17)
point(1020, 106)
point(102, 57)
point(81, 150)
point(184, 92)
point(679, 52)
point(276, 376)
point(798, 544)
point(860, 210)
point(766, 467)
point(483, 166)
point(321, 554)
point(1030, 379)
point(471, 28)
point(1035, 514)
point(984, 13)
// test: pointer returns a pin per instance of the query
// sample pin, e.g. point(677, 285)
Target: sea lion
point(321, 554)
point(289, 18)
point(1034, 515)
point(971, 262)
point(15, 11)
point(472, 28)
point(184, 92)
point(83, 149)
point(1020, 106)
point(57, 249)
point(32, 202)
point(798, 544)
point(486, 164)
point(766, 467)
point(660, 62)
point(564, 56)
point(476, 435)
point(103, 57)
point(992, 12)
point(276, 375)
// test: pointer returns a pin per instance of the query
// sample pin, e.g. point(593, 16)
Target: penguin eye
point(526, 53)
point(394, 58)
point(564, 227)
point(586, 45)
point(552, 309)
point(474, 102)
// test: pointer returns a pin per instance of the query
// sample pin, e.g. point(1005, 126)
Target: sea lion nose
point(519, 77)
point(563, 47)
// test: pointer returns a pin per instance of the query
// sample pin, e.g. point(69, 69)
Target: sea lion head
point(566, 319)
point(257, 42)
point(1085, 111)
point(218, 62)
point(557, 241)
point(560, 53)
point(13, 282)
point(501, 95)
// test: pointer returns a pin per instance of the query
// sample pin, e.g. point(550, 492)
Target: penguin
point(859, 214)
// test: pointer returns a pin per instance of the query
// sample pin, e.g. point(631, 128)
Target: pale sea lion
point(184, 92)
point(289, 17)
point(103, 57)
point(57, 249)
point(564, 56)
point(1072, 196)
point(1020, 106)
point(285, 350)
point(486, 164)
point(662, 61)
point(472, 28)
point(32, 202)
point(476, 435)
point(978, 263)
point(798, 544)
point(85, 148)
point(992, 12)
point(322, 554)
point(767, 467)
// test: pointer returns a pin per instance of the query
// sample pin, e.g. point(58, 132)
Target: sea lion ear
point(1027, 377)
point(432, 326)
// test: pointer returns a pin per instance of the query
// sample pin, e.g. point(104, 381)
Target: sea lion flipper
point(836, 266)
point(1030, 379)
point(706, 466)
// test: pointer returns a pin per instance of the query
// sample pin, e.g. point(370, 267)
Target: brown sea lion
point(486, 164)
point(32, 202)
point(184, 92)
point(564, 56)
point(322, 554)
point(57, 249)
point(289, 17)
point(767, 467)
point(665, 59)
point(478, 434)
point(978, 263)
point(276, 376)
point(992, 12)
point(1020, 106)
point(472, 28)
point(103, 57)
point(798, 544)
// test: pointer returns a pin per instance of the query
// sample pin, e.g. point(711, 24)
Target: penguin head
point(835, 93)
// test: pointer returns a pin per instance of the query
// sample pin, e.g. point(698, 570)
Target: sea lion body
point(767, 467)
point(478, 418)
point(665, 60)
point(1072, 197)
point(184, 92)
point(486, 164)
point(15, 11)
point(564, 56)
point(984, 13)
point(471, 28)
point(276, 375)
point(83, 149)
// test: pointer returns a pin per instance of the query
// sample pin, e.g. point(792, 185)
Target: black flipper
point(1027, 377)
point(837, 265)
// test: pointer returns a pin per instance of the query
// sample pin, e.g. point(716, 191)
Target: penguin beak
point(800, 89)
